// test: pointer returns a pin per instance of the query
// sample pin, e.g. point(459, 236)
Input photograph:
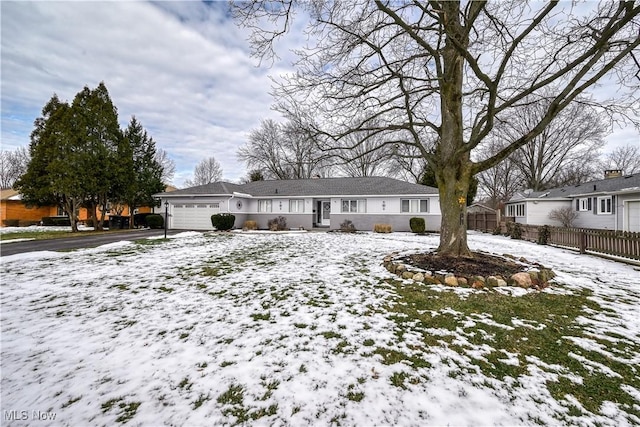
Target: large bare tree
point(570, 142)
point(13, 164)
point(447, 72)
point(625, 158)
point(205, 172)
point(168, 165)
point(282, 151)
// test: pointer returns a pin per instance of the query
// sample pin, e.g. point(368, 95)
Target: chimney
point(612, 173)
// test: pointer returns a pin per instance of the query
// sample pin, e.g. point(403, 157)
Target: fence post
point(583, 242)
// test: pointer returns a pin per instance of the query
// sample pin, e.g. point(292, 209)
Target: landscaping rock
point(492, 281)
point(400, 268)
point(522, 280)
point(450, 280)
point(501, 281)
point(462, 281)
point(407, 275)
point(432, 280)
point(418, 277)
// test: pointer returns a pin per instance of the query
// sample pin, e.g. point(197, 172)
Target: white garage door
point(633, 216)
point(193, 216)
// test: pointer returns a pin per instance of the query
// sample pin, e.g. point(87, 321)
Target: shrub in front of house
point(57, 221)
point(347, 226)
point(417, 224)
point(223, 221)
point(250, 225)
point(155, 221)
point(140, 220)
point(544, 233)
point(382, 228)
point(277, 224)
point(514, 229)
point(11, 222)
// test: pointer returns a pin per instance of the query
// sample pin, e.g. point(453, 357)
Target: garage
point(193, 216)
point(633, 216)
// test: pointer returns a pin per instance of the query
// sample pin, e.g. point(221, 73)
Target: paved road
point(90, 241)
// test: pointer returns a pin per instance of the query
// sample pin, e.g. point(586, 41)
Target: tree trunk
point(71, 207)
point(453, 185)
point(453, 165)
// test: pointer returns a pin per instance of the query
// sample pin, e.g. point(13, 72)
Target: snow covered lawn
point(310, 329)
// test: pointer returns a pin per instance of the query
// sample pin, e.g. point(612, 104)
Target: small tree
point(565, 215)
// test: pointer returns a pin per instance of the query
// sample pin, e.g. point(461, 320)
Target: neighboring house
point(612, 203)
point(14, 210)
point(306, 203)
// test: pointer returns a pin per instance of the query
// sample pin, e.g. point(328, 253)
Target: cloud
point(182, 68)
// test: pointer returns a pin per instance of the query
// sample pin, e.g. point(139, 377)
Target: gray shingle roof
point(609, 185)
point(367, 186)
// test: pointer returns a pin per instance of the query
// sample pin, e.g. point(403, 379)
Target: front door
point(326, 212)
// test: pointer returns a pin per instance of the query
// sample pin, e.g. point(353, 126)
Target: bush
point(514, 229)
point(250, 225)
point(277, 224)
point(417, 224)
point(140, 220)
point(347, 227)
point(58, 221)
point(382, 228)
point(565, 215)
point(544, 233)
point(155, 221)
point(223, 221)
point(11, 222)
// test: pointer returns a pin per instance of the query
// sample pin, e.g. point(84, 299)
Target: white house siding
point(537, 211)
point(589, 219)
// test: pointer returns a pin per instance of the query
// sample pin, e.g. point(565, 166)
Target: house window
point(354, 206)
point(215, 205)
point(584, 205)
point(296, 206)
point(414, 205)
point(264, 205)
point(604, 205)
point(515, 210)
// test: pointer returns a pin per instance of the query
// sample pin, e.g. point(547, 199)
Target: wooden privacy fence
point(482, 221)
point(618, 243)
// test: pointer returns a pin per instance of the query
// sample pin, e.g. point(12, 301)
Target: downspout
point(229, 202)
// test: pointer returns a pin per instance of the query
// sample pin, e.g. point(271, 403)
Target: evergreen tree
point(137, 162)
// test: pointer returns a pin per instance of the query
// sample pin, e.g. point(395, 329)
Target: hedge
point(223, 221)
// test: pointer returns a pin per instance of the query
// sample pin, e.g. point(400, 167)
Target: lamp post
point(166, 217)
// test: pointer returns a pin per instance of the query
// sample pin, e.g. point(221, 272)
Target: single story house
point(612, 203)
point(306, 203)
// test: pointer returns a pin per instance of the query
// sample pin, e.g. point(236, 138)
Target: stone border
point(536, 278)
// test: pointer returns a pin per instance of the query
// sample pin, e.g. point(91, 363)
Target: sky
point(184, 70)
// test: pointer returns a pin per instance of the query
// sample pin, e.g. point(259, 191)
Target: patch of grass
point(165, 289)
point(184, 336)
point(200, 400)
point(514, 332)
point(354, 395)
point(368, 342)
point(126, 410)
point(234, 395)
point(261, 316)
point(398, 379)
point(330, 334)
point(300, 325)
point(71, 401)
point(185, 384)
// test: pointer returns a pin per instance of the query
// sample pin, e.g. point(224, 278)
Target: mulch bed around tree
point(480, 265)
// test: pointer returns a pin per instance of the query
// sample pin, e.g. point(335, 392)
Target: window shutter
point(595, 206)
point(613, 204)
point(577, 204)
point(589, 203)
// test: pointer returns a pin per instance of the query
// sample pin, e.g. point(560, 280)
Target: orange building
point(14, 212)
